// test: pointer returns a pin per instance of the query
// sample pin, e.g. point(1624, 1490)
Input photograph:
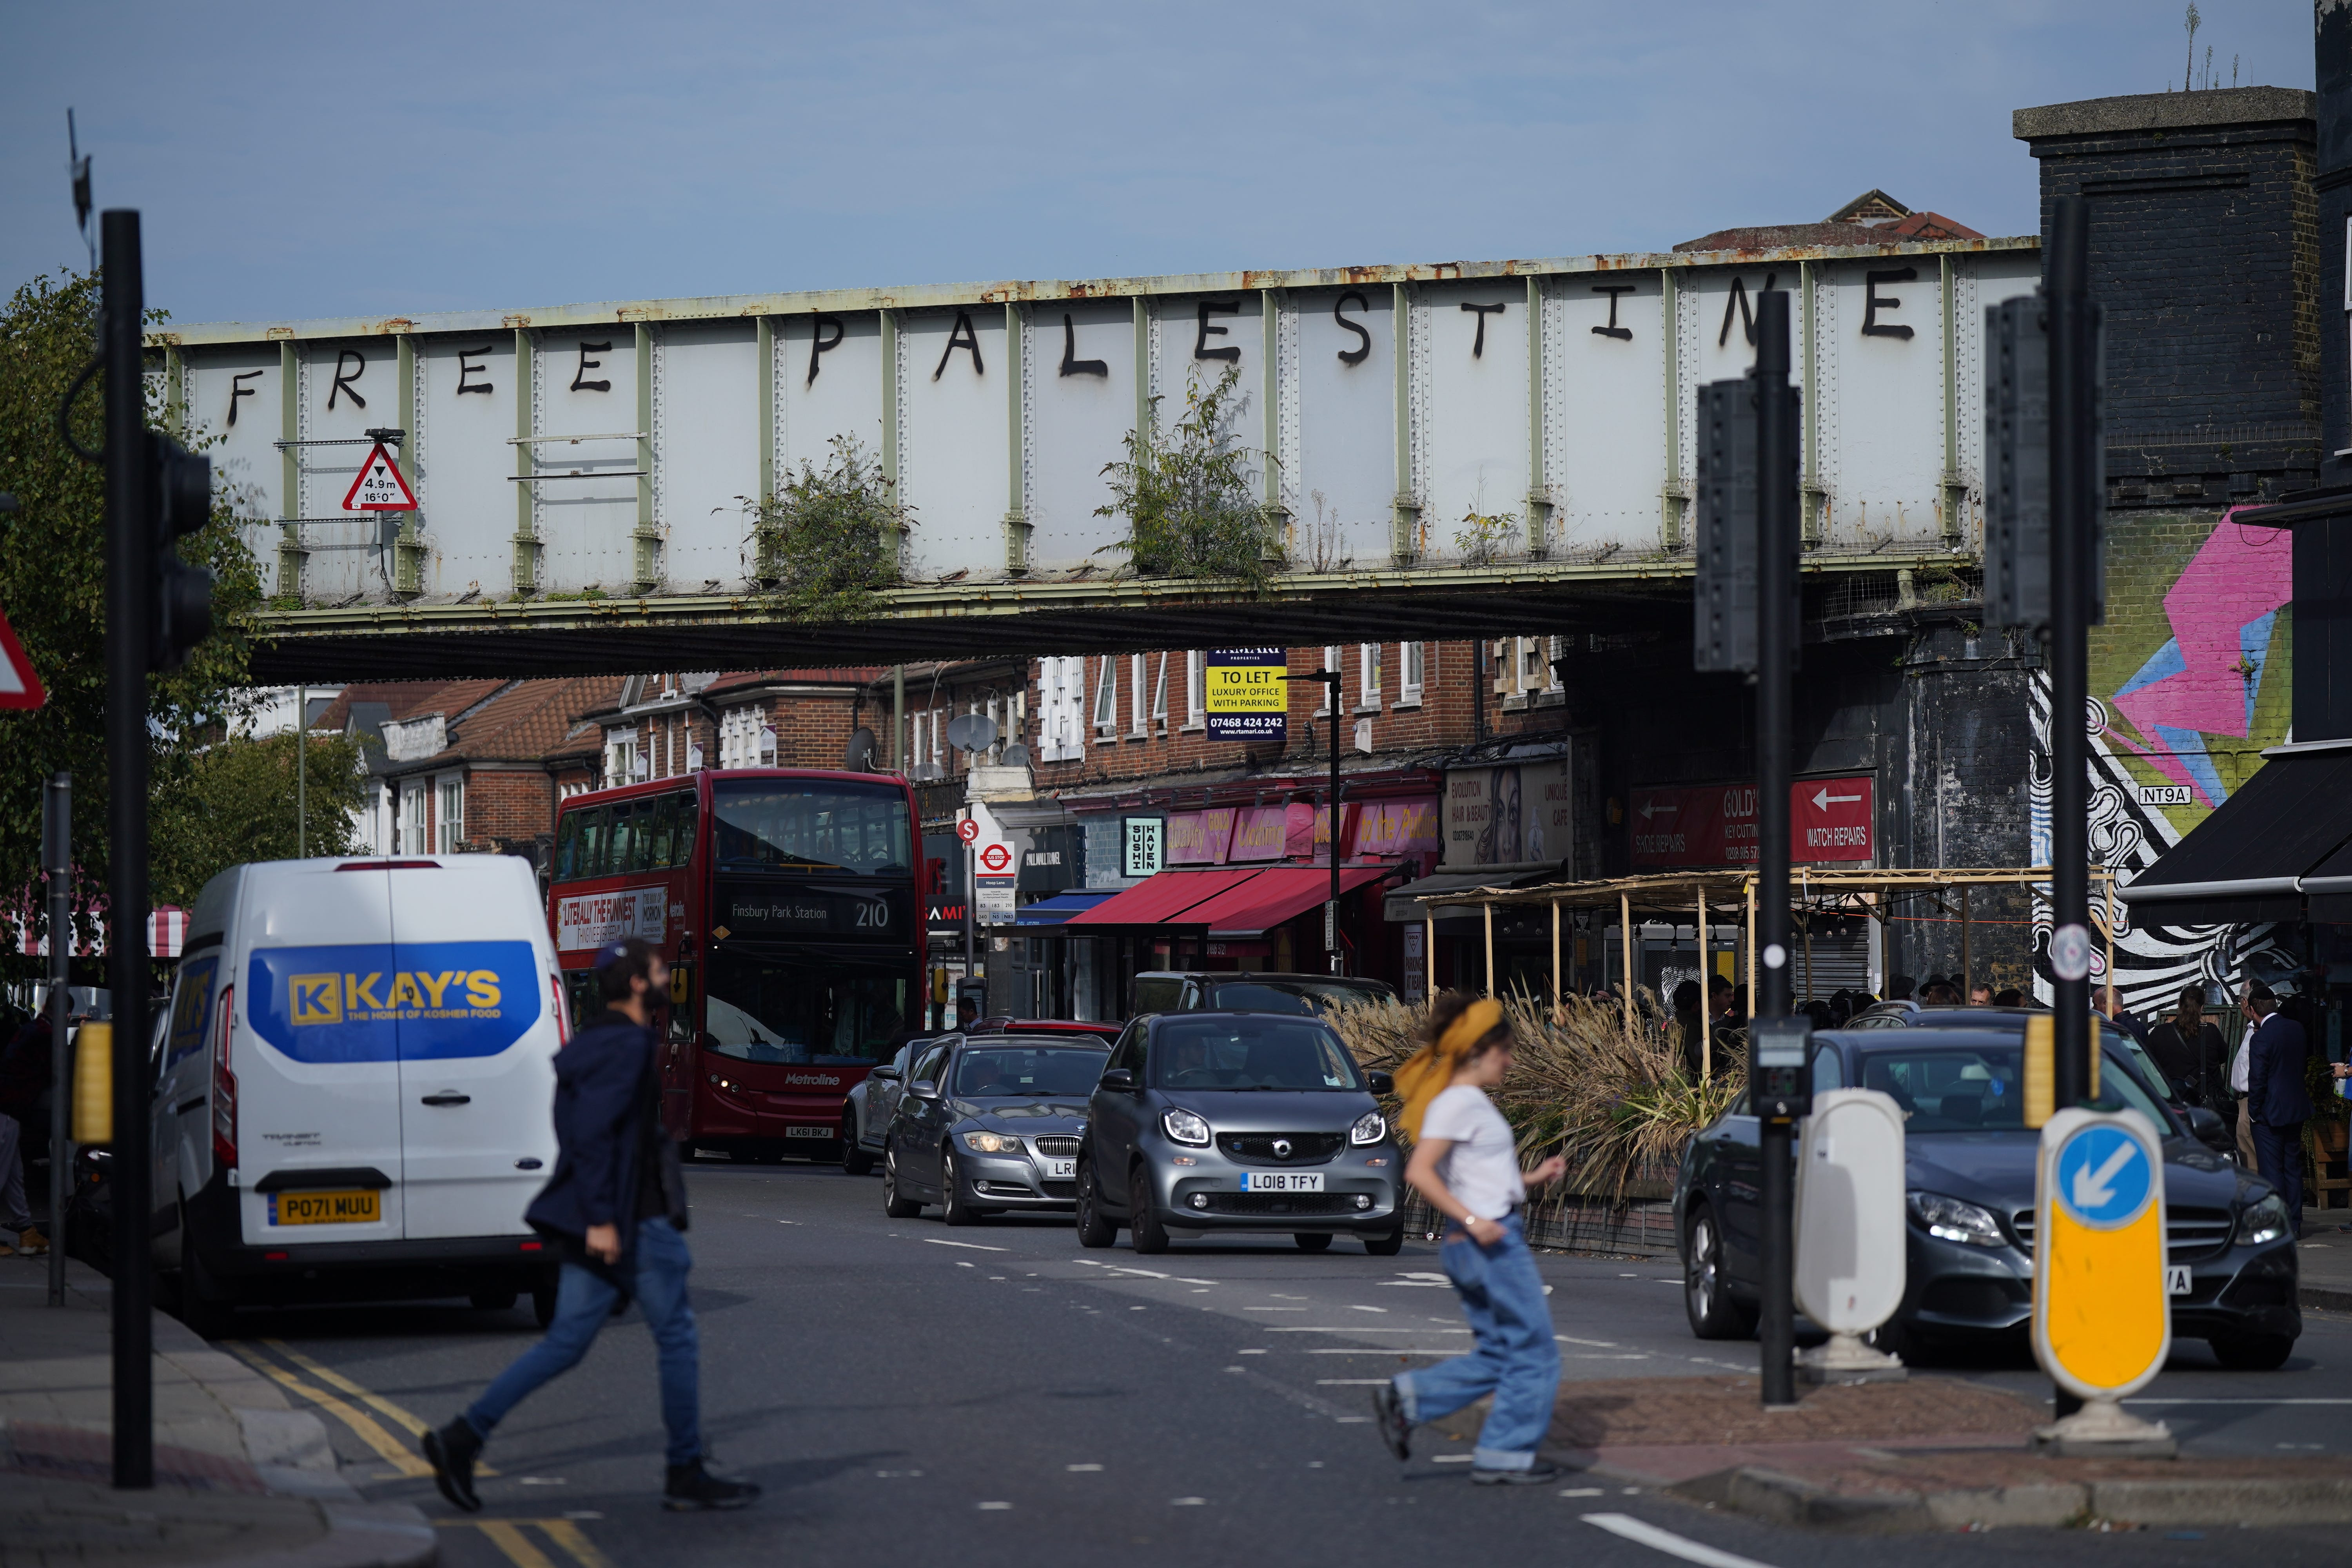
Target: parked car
point(354, 1096)
point(1916, 1016)
point(1226, 1122)
point(1969, 1170)
point(866, 1109)
point(989, 1123)
point(1176, 991)
point(1000, 1025)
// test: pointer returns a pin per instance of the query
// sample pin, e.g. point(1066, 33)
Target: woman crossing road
point(1465, 1163)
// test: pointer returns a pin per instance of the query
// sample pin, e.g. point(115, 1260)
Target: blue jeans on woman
point(1516, 1359)
point(584, 1302)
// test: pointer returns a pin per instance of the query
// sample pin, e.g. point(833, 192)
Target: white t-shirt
point(1482, 1168)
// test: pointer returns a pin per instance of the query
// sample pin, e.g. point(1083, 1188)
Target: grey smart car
point(1209, 1122)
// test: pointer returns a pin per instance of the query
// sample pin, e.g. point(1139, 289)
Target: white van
point(354, 1096)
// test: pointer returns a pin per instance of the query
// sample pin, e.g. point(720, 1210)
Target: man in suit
point(2277, 1105)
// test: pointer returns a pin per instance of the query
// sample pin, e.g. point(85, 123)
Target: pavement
point(2325, 1260)
point(242, 1477)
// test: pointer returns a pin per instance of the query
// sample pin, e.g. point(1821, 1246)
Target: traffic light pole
point(57, 860)
point(2073, 500)
point(130, 591)
point(1776, 641)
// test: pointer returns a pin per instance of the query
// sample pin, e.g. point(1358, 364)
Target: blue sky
point(305, 160)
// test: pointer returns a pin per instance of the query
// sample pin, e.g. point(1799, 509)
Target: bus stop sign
point(2102, 1322)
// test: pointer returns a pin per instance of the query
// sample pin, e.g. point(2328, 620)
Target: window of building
point(1106, 698)
point(412, 817)
point(1196, 689)
point(451, 826)
point(1410, 655)
point(1061, 709)
point(1368, 675)
point(1160, 696)
point(1330, 662)
point(620, 756)
point(1138, 699)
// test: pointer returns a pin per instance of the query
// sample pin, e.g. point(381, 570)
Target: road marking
point(1273, 1309)
point(508, 1535)
point(1081, 1468)
point(334, 1379)
point(1585, 1491)
point(960, 1263)
point(1643, 1534)
point(1355, 1309)
point(574, 1541)
point(1391, 1350)
point(1361, 1329)
point(1182, 1281)
point(368, 1430)
point(1451, 1458)
point(2238, 1401)
point(994, 1507)
point(1188, 1502)
point(940, 1241)
point(1595, 1344)
point(1351, 1382)
point(1257, 1351)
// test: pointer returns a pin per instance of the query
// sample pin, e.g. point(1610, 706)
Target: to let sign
point(1246, 699)
point(1830, 821)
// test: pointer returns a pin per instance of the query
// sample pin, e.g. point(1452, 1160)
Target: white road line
point(1355, 1308)
point(1081, 1469)
point(1359, 1329)
point(1643, 1534)
point(1351, 1382)
point(1273, 1309)
point(1389, 1350)
point(1451, 1458)
point(2238, 1401)
point(960, 1263)
point(1595, 1344)
point(942, 1241)
point(1182, 1281)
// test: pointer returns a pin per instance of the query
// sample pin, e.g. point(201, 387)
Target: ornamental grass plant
point(1616, 1102)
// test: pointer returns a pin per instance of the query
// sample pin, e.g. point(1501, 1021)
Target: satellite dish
point(859, 758)
point(971, 733)
point(1016, 755)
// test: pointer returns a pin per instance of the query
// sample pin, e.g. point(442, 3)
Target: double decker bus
point(790, 906)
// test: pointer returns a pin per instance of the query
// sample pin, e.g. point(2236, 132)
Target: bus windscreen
point(807, 824)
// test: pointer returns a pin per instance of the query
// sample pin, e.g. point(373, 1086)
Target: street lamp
point(1330, 677)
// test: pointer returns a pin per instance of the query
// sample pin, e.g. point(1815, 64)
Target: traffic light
point(2017, 466)
point(1724, 634)
point(179, 501)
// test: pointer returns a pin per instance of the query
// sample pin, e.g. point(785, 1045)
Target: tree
point(53, 587)
point(235, 803)
point(1187, 496)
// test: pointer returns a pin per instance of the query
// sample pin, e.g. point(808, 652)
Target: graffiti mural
point(2189, 681)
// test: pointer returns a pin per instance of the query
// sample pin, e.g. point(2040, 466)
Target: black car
point(1941, 1016)
point(988, 1124)
point(1209, 1123)
point(1969, 1178)
point(1229, 990)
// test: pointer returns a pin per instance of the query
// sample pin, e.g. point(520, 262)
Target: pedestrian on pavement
point(2277, 1102)
point(2188, 1048)
point(1464, 1162)
point(1980, 994)
point(2111, 1003)
point(1688, 1024)
point(1899, 989)
point(614, 1209)
point(26, 1073)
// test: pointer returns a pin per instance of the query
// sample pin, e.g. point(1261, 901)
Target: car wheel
point(1142, 1220)
point(954, 1207)
point(1387, 1245)
point(893, 1204)
point(1095, 1228)
point(1313, 1240)
point(855, 1159)
point(205, 1308)
point(2252, 1353)
point(1707, 1296)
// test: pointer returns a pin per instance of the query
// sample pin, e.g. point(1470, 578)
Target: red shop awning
point(1164, 898)
point(1275, 895)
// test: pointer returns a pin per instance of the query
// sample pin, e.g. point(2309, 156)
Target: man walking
point(24, 1078)
point(614, 1208)
point(2277, 1104)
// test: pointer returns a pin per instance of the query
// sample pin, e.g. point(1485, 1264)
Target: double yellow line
point(510, 1535)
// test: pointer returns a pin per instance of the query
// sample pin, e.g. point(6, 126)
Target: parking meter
point(1779, 1087)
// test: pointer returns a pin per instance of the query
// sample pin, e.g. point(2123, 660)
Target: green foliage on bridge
point(829, 541)
point(1187, 496)
point(53, 588)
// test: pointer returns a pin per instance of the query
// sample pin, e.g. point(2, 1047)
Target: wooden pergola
point(1673, 894)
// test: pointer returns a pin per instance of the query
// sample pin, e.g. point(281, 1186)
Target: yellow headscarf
point(1423, 1078)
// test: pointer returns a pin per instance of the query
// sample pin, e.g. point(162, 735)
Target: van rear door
point(478, 1033)
point(312, 1057)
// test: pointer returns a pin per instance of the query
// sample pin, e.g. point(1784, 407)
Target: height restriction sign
point(379, 486)
point(1247, 697)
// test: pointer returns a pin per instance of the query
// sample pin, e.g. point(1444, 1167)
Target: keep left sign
point(2102, 1319)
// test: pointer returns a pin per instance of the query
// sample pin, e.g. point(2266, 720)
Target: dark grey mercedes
point(988, 1124)
point(1211, 1122)
point(1968, 1174)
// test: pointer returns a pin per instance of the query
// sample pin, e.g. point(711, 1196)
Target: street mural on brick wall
point(2189, 681)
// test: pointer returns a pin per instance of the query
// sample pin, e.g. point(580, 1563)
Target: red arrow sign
point(379, 486)
point(19, 686)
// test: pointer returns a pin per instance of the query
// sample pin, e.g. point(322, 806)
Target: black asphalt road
point(998, 1395)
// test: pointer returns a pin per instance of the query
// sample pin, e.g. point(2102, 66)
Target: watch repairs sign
point(1247, 697)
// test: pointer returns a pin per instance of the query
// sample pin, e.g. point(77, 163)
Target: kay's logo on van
point(395, 1002)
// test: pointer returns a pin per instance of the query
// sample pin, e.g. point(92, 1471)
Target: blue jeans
point(1516, 1360)
point(583, 1304)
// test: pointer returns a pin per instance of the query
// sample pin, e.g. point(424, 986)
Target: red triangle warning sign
point(19, 686)
point(380, 487)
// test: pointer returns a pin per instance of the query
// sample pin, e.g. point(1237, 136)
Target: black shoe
point(1388, 1415)
point(1536, 1475)
point(453, 1450)
point(692, 1486)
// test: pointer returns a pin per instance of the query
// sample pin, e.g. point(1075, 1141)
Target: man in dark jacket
point(614, 1209)
point(2277, 1103)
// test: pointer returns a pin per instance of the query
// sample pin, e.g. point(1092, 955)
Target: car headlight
point(1951, 1219)
point(2264, 1221)
point(1370, 1128)
point(1183, 1127)
point(992, 1143)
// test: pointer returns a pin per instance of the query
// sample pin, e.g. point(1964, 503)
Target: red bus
point(789, 905)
